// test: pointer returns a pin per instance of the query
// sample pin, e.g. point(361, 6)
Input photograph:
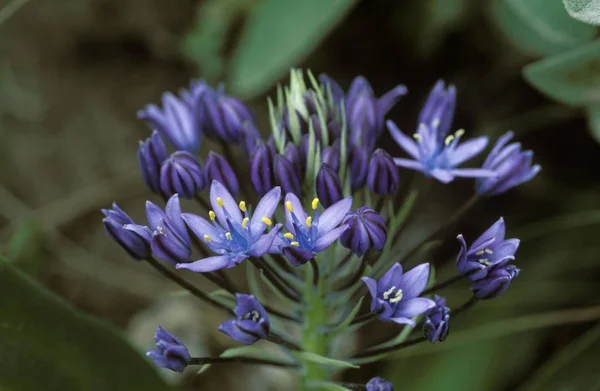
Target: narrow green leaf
point(572, 78)
point(279, 34)
point(251, 351)
point(47, 345)
point(587, 11)
point(540, 27)
point(313, 357)
point(593, 117)
point(342, 326)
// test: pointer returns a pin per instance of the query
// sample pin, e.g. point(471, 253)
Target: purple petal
point(401, 320)
point(230, 328)
point(495, 232)
point(333, 216)
point(372, 287)
point(467, 150)
point(414, 281)
point(298, 210)
point(410, 164)
point(173, 212)
point(262, 245)
point(265, 208)
point(208, 264)
point(325, 240)
point(442, 175)
point(390, 98)
point(413, 307)
point(393, 277)
point(403, 141)
point(473, 173)
point(217, 190)
point(155, 215)
point(297, 256)
point(141, 230)
point(200, 227)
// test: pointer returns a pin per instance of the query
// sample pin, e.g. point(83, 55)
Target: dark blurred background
point(73, 73)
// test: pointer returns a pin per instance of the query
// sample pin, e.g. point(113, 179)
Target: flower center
point(306, 231)
point(392, 297)
point(252, 315)
point(483, 252)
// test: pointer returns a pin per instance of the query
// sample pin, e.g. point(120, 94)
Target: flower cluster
point(317, 189)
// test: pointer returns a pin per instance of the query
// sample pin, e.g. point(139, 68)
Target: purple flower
point(434, 152)
point(496, 282)
point(151, 155)
point(217, 168)
point(309, 235)
point(366, 230)
point(437, 321)
point(179, 121)
point(287, 176)
point(511, 165)
point(379, 384)
point(262, 172)
point(382, 177)
point(229, 233)
point(358, 158)
point(252, 321)
point(328, 185)
point(225, 116)
point(171, 353)
point(395, 297)
point(170, 239)
point(137, 244)
point(488, 251)
point(181, 174)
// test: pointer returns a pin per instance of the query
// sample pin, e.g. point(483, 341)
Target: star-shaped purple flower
point(395, 297)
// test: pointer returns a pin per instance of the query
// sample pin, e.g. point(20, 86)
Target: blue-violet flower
point(137, 244)
point(182, 174)
point(496, 282)
point(151, 155)
point(379, 384)
point(252, 323)
point(366, 230)
point(217, 168)
point(171, 353)
point(437, 321)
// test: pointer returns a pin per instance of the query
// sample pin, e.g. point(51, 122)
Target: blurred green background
point(73, 73)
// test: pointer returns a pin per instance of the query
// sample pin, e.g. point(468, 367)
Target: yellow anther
point(417, 136)
point(245, 222)
point(295, 244)
point(315, 203)
point(243, 206)
point(448, 139)
point(288, 235)
point(228, 235)
point(308, 221)
point(207, 238)
point(288, 205)
point(267, 221)
point(212, 215)
point(459, 132)
point(220, 201)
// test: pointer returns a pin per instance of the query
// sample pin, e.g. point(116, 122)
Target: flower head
point(366, 230)
point(434, 152)
point(379, 384)
point(309, 235)
point(151, 155)
point(511, 165)
point(179, 121)
point(231, 232)
point(496, 282)
point(137, 243)
point(395, 297)
point(488, 251)
point(437, 321)
point(181, 174)
point(171, 353)
point(252, 321)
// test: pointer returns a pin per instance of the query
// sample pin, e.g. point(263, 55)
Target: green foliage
point(587, 11)
point(572, 78)
point(280, 33)
point(539, 27)
point(318, 359)
point(47, 345)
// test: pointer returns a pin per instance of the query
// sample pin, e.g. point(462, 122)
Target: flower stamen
point(267, 221)
point(212, 215)
point(288, 205)
point(242, 206)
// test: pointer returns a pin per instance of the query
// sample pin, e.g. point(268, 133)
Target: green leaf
point(587, 11)
point(593, 117)
point(342, 326)
point(572, 78)
point(313, 357)
point(279, 34)
point(47, 345)
point(574, 368)
point(540, 27)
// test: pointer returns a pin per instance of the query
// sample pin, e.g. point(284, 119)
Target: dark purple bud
point(262, 172)
point(225, 116)
point(151, 155)
point(328, 185)
point(331, 156)
point(511, 165)
point(297, 256)
point(171, 353)
point(286, 176)
point(179, 121)
point(217, 168)
point(495, 283)
point(252, 322)
point(250, 138)
point(292, 154)
point(359, 166)
point(181, 174)
point(136, 243)
point(437, 321)
point(331, 85)
point(366, 231)
point(361, 111)
point(382, 177)
point(379, 384)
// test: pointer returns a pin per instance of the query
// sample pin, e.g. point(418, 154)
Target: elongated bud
point(135, 242)
point(287, 176)
point(297, 256)
point(225, 116)
point(331, 156)
point(151, 155)
point(359, 166)
point(382, 177)
point(217, 168)
point(366, 231)
point(181, 174)
point(293, 155)
point(170, 352)
point(250, 138)
point(328, 185)
point(262, 172)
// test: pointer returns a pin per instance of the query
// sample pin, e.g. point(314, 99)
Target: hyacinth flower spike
point(231, 232)
point(309, 235)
